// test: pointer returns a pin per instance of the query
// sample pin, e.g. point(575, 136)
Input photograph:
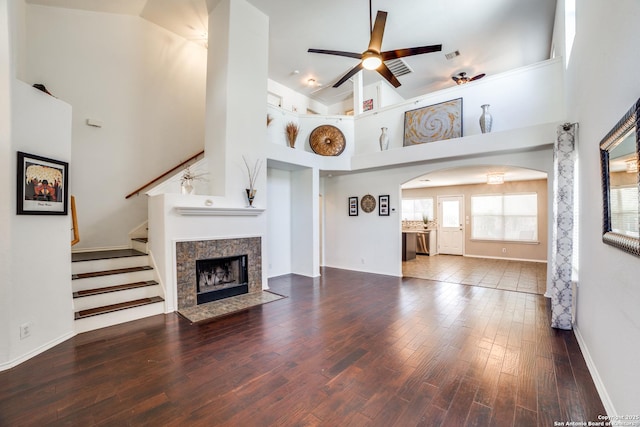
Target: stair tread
point(115, 288)
point(116, 307)
point(97, 255)
point(141, 239)
point(110, 272)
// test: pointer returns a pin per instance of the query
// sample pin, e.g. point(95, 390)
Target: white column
point(358, 92)
point(305, 222)
point(236, 98)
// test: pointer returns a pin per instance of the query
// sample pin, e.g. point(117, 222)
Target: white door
point(450, 225)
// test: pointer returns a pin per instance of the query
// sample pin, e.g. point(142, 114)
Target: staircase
point(114, 286)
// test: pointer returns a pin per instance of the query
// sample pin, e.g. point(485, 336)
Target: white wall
point(599, 94)
point(39, 262)
point(279, 204)
point(295, 101)
point(146, 85)
point(307, 123)
point(519, 98)
point(6, 160)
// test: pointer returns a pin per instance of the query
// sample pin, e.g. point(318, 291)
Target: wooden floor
point(347, 349)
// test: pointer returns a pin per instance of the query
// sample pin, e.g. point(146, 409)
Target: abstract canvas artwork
point(433, 123)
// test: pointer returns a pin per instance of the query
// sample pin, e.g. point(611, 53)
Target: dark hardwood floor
point(347, 349)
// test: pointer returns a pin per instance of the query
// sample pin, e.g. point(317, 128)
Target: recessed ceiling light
point(495, 178)
point(453, 54)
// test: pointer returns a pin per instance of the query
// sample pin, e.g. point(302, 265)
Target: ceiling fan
point(462, 78)
point(373, 58)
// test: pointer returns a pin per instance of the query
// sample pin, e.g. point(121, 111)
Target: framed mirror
point(620, 183)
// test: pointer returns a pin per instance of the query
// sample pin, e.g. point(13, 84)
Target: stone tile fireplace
point(221, 269)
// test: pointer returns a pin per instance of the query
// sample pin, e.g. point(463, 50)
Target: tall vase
point(384, 140)
point(251, 194)
point(486, 120)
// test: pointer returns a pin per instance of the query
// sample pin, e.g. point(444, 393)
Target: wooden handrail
point(74, 222)
point(190, 159)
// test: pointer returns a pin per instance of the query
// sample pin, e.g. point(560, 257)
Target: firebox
point(219, 278)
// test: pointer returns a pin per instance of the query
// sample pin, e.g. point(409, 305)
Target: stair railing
point(74, 222)
point(187, 162)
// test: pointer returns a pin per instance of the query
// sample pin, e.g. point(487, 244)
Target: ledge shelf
point(211, 211)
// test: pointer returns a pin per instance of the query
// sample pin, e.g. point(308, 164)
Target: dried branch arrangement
point(252, 172)
point(292, 130)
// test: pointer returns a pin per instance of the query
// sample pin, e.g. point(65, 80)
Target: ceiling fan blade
point(375, 44)
point(401, 53)
point(387, 74)
point(337, 53)
point(350, 73)
point(479, 76)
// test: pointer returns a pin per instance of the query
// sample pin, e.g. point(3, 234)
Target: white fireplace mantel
point(217, 211)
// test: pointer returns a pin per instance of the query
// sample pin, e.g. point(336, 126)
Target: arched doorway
point(497, 213)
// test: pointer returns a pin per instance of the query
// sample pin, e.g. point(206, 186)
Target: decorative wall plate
point(327, 140)
point(368, 203)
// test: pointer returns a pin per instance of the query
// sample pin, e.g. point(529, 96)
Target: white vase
point(486, 120)
point(384, 140)
point(187, 186)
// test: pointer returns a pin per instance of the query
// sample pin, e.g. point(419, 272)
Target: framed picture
point(42, 185)
point(353, 206)
point(433, 123)
point(383, 205)
point(367, 105)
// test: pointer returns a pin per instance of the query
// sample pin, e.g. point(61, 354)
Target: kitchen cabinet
point(408, 246)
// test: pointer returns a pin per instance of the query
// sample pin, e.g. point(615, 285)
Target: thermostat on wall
point(95, 123)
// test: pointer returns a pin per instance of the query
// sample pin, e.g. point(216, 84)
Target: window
point(624, 210)
point(414, 209)
point(511, 217)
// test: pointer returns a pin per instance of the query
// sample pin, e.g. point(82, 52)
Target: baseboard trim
point(15, 362)
point(106, 248)
point(593, 370)
point(505, 259)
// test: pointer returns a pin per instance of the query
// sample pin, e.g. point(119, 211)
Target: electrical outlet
point(25, 330)
point(504, 250)
point(362, 260)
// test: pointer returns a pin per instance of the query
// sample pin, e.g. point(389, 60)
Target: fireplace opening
point(219, 278)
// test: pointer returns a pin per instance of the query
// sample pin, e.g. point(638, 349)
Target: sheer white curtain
point(564, 161)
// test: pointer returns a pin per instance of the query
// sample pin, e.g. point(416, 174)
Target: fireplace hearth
point(219, 278)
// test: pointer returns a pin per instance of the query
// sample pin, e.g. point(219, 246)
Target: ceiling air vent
point(398, 67)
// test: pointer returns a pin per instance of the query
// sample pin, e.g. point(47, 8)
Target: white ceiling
point(492, 36)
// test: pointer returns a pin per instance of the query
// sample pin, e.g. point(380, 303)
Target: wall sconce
point(495, 178)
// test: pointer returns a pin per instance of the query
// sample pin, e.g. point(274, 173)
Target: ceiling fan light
point(371, 60)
